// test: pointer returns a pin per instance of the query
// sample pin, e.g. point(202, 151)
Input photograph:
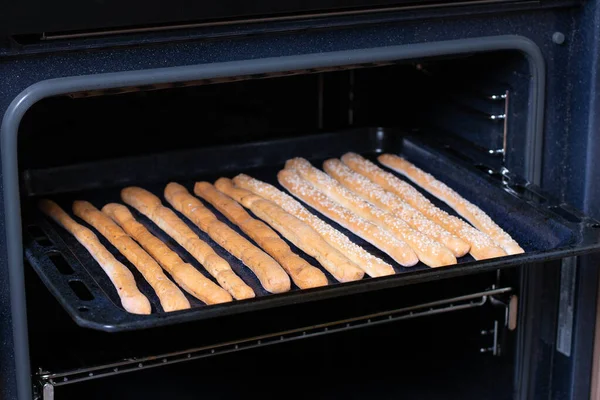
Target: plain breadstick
point(466, 209)
point(270, 274)
point(388, 191)
point(373, 266)
point(428, 250)
point(361, 185)
point(296, 231)
point(302, 273)
point(151, 206)
point(303, 190)
point(188, 277)
point(171, 298)
point(131, 298)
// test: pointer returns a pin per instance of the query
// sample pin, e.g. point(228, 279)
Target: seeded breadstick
point(372, 265)
point(132, 299)
point(361, 185)
point(466, 209)
point(272, 277)
point(302, 273)
point(391, 193)
point(151, 206)
point(296, 231)
point(428, 250)
point(303, 190)
point(171, 298)
point(188, 277)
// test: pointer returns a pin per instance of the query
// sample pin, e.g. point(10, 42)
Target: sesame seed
point(306, 192)
point(334, 237)
point(337, 192)
point(400, 191)
point(442, 191)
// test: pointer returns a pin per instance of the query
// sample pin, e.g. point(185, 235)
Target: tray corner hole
point(38, 235)
point(81, 290)
point(565, 214)
point(60, 263)
point(83, 309)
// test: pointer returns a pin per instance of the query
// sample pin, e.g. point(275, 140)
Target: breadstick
point(463, 207)
point(150, 205)
point(188, 277)
point(360, 185)
point(296, 231)
point(392, 191)
point(132, 299)
point(302, 273)
point(171, 298)
point(270, 274)
point(303, 190)
point(373, 266)
point(428, 250)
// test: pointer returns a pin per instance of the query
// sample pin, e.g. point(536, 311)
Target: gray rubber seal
point(53, 87)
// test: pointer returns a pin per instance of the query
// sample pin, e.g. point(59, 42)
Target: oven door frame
point(52, 87)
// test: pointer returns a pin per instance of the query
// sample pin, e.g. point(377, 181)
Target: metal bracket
point(509, 305)
point(504, 117)
point(505, 130)
point(47, 390)
point(495, 348)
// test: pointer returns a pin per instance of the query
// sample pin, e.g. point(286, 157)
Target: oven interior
point(473, 107)
point(464, 97)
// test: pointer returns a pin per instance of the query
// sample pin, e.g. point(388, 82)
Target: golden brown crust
point(131, 298)
point(270, 274)
point(302, 273)
point(428, 250)
point(374, 266)
point(303, 190)
point(151, 206)
point(463, 207)
point(188, 277)
point(388, 192)
point(296, 231)
point(376, 195)
point(171, 298)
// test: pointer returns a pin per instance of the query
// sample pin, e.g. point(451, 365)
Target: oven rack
point(47, 380)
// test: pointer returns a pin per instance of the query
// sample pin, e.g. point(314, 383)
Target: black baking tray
point(543, 227)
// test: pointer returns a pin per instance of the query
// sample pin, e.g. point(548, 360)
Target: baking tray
point(543, 227)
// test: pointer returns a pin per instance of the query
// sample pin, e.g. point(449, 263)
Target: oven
point(497, 99)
